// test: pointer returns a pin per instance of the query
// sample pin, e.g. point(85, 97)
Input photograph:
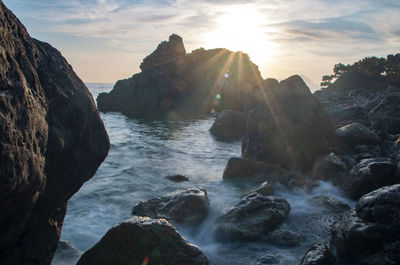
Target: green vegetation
point(387, 69)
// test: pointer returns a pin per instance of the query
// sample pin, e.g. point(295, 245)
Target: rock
point(370, 233)
point(385, 116)
point(291, 128)
point(66, 254)
point(229, 125)
point(356, 133)
point(330, 204)
point(368, 175)
point(187, 206)
point(176, 85)
point(52, 140)
point(265, 189)
point(141, 240)
point(328, 167)
point(284, 238)
point(239, 168)
point(177, 178)
point(268, 259)
point(354, 80)
point(254, 216)
point(347, 114)
point(318, 254)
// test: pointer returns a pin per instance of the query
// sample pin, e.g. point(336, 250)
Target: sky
point(106, 40)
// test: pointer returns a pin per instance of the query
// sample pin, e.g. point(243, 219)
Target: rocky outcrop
point(174, 84)
point(141, 240)
point(385, 116)
point(291, 128)
point(318, 254)
point(229, 125)
point(328, 167)
point(66, 254)
point(52, 141)
point(254, 216)
point(356, 134)
point(187, 206)
point(369, 234)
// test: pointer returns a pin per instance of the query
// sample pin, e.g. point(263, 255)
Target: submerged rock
point(284, 238)
point(52, 140)
point(229, 125)
point(356, 133)
point(268, 259)
point(141, 240)
point(253, 217)
point(290, 129)
point(318, 254)
point(187, 206)
point(330, 204)
point(177, 178)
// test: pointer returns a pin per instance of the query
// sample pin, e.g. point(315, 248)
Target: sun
point(240, 28)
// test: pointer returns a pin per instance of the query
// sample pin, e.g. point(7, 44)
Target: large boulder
point(343, 115)
point(368, 175)
point(174, 84)
point(318, 254)
point(328, 167)
point(229, 125)
point(52, 141)
point(355, 134)
point(253, 217)
point(141, 240)
point(66, 254)
point(290, 128)
point(186, 206)
point(370, 233)
point(385, 116)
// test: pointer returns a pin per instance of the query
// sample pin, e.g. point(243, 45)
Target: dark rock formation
point(284, 238)
point(330, 204)
point(291, 128)
point(356, 133)
point(66, 254)
point(141, 240)
point(229, 125)
point(187, 206)
point(370, 234)
point(254, 216)
point(265, 189)
point(343, 115)
point(368, 175)
point(52, 141)
point(385, 116)
point(318, 254)
point(173, 84)
point(328, 167)
point(177, 178)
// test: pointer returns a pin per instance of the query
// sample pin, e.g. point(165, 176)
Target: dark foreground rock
point(253, 217)
point(291, 128)
point(370, 234)
point(52, 141)
point(356, 133)
point(66, 254)
point(318, 254)
point(229, 125)
point(328, 167)
point(330, 204)
point(187, 206)
point(141, 240)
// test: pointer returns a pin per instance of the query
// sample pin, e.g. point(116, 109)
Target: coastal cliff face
point(173, 84)
point(52, 141)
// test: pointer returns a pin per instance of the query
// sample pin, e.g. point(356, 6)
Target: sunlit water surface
point(142, 153)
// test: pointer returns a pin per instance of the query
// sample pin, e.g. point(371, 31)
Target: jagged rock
point(330, 204)
point(291, 128)
point(356, 133)
point(328, 167)
point(318, 254)
point(284, 238)
point(229, 125)
point(268, 259)
point(385, 116)
point(368, 175)
point(174, 84)
point(370, 233)
point(52, 141)
point(265, 189)
point(347, 114)
point(254, 216)
point(177, 178)
point(187, 206)
point(141, 240)
point(66, 254)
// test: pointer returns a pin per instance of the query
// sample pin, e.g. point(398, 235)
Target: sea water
point(143, 152)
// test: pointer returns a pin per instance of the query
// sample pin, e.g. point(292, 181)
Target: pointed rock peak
point(166, 52)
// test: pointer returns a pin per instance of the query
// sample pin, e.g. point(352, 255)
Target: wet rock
point(239, 168)
point(268, 259)
point(328, 167)
point(347, 114)
point(356, 133)
point(385, 116)
point(254, 216)
point(331, 204)
point(265, 189)
point(141, 240)
point(187, 206)
point(290, 129)
point(52, 140)
point(229, 125)
point(284, 238)
point(66, 254)
point(370, 233)
point(368, 175)
point(177, 178)
point(318, 254)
